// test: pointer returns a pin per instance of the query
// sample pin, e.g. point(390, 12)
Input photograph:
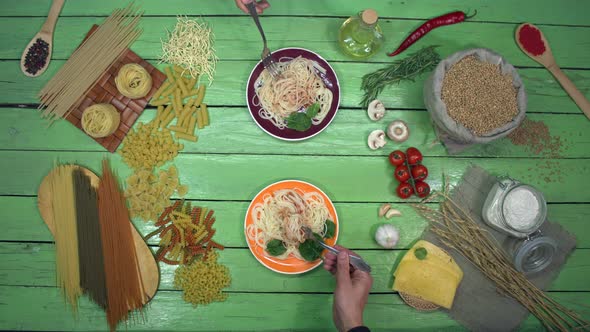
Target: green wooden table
point(223, 169)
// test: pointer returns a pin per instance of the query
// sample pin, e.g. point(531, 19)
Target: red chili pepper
point(447, 19)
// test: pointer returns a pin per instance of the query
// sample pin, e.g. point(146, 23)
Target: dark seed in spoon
point(36, 57)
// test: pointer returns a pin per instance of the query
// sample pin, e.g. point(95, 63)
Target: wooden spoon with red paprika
point(533, 43)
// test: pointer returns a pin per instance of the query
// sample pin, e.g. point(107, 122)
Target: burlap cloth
point(478, 306)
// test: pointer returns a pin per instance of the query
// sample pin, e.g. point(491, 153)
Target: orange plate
point(290, 265)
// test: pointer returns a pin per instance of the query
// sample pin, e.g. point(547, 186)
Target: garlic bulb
point(387, 236)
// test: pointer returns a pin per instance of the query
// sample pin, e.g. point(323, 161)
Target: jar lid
point(535, 255)
point(369, 16)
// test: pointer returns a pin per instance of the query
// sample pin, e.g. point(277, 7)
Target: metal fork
point(266, 57)
point(355, 261)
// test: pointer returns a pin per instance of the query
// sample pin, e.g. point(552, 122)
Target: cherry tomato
point(422, 189)
point(402, 173)
point(413, 155)
point(397, 157)
point(419, 172)
point(404, 190)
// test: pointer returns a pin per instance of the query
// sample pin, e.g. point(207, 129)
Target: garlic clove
point(376, 110)
point(393, 213)
point(383, 209)
point(376, 139)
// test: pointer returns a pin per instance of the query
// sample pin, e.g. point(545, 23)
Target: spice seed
point(479, 96)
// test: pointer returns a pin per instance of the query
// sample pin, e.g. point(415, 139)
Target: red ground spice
point(530, 38)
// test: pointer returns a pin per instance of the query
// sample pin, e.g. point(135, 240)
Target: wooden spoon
point(46, 34)
point(548, 61)
point(147, 263)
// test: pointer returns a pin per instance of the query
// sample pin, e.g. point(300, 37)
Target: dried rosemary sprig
point(406, 69)
point(457, 230)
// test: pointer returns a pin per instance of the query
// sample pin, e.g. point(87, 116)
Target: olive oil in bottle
point(360, 36)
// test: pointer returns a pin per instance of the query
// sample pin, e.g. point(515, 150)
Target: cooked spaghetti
point(281, 216)
point(297, 87)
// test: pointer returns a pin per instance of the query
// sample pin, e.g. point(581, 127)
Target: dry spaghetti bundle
point(125, 289)
point(92, 276)
point(185, 233)
point(66, 237)
point(63, 92)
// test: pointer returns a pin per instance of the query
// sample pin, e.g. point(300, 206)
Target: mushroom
point(383, 209)
point(393, 213)
point(376, 110)
point(376, 139)
point(398, 131)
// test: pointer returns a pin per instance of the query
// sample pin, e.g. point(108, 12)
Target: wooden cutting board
point(147, 263)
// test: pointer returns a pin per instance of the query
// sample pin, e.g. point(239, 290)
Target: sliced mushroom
point(398, 131)
point(376, 139)
point(393, 213)
point(383, 209)
point(376, 110)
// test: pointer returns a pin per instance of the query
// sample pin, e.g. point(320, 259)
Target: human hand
point(260, 5)
point(352, 290)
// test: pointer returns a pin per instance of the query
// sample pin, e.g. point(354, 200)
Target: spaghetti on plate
point(281, 216)
point(297, 87)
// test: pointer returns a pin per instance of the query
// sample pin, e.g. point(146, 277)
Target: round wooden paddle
point(147, 263)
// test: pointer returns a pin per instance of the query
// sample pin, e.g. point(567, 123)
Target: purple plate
point(330, 81)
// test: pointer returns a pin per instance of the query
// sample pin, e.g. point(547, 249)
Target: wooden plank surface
point(241, 311)
point(318, 35)
point(358, 221)
point(21, 128)
point(223, 170)
point(342, 178)
point(544, 93)
point(503, 10)
point(249, 276)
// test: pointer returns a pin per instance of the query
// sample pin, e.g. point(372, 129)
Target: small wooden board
point(105, 91)
point(146, 260)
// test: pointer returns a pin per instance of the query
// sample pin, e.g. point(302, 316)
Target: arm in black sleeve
point(359, 329)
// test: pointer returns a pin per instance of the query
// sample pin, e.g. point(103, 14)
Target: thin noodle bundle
point(100, 120)
point(125, 289)
point(281, 216)
point(66, 238)
point(77, 76)
point(297, 87)
point(133, 81)
point(92, 277)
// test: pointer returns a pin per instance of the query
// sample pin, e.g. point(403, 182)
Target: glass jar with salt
point(514, 208)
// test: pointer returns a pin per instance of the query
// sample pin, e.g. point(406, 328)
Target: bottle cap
point(369, 16)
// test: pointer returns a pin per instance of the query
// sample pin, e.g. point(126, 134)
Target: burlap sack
point(453, 134)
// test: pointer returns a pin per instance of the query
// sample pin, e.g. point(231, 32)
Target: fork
point(355, 261)
point(266, 57)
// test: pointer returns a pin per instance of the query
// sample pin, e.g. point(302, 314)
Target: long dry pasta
point(66, 237)
point(62, 93)
point(92, 276)
point(125, 289)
